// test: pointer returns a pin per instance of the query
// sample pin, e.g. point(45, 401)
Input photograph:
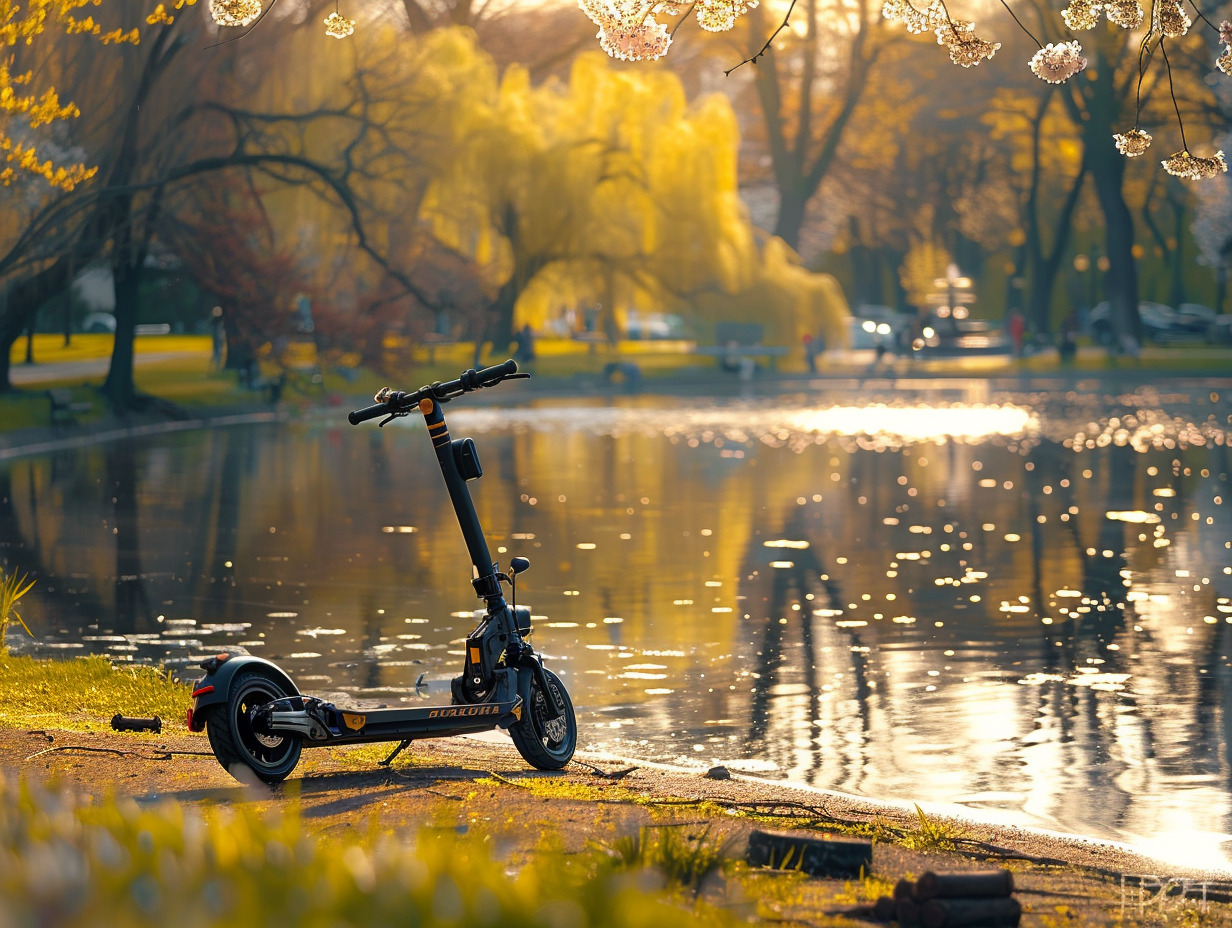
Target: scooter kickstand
point(398, 750)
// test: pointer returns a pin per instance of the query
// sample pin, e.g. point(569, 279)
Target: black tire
point(546, 744)
point(233, 740)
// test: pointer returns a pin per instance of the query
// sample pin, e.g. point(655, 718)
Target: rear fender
point(214, 688)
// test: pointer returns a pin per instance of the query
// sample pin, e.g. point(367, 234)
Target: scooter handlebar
point(397, 402)
point(369, 412)
point(491, 376)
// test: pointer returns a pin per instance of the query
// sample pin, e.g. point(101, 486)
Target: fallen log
point(885, 909)
point(993, 912)
point(816, 855)
point(969, 884)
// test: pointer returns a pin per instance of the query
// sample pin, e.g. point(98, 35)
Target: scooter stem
point(486, 584)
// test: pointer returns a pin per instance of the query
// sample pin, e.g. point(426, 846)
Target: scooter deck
point(323, 723)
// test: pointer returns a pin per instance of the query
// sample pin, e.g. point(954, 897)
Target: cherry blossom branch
point(765, 48)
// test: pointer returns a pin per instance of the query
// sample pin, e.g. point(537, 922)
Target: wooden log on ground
point(991, 912)
point(816, 855)
point(904, 889)
point(885, 909)
point(908, 913)
point(967, 884)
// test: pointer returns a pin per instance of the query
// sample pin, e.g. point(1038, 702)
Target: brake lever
point(391, 417)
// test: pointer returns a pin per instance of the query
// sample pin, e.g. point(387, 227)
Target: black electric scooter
point(255, 716)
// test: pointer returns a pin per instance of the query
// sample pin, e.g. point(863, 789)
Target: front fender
point(214, 688)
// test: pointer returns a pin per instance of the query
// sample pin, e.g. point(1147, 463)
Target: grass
point(69, 862)
point(926, 835)
point(12, 589)
point(684, 858)
point(84, 693)
point(930, 835)
point(50, 348)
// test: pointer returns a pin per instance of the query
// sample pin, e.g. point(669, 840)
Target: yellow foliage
point(159, 15)
point(924, 263)
point(26, 159)
point(787, 299)
point(613, 190)
point(24, 24)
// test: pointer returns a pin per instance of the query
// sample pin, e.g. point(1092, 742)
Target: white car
point(100, 323)
point(1158, 322)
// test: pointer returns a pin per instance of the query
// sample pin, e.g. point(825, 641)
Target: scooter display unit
point(257, 719)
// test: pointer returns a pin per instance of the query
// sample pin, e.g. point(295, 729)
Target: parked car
point(1158, 322)
point(1198, 320)
point(1220, 332)
point(1189, 322)
point(873, 325)
point(654, 325)
point(98, 323)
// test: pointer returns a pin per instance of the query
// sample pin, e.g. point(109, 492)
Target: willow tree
point(610, 192)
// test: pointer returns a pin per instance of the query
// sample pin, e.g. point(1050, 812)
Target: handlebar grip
point(496, 373)
point(371, 412)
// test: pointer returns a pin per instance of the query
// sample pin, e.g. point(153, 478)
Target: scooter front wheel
point(546, 743)
point(235, 741)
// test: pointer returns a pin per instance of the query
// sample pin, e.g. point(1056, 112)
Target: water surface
point(1015, 601)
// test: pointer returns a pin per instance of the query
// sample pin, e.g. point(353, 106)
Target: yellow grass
point(50, 348)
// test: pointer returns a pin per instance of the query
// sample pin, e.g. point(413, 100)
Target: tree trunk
point(866, 284)
point(21, 300)
point(8, 336)
point(1100, 118)
point(119, 387)
point(1121, 281)
point(802, 162)
point(1046, 267)
point(1176, 292)
point(792, 203)
point(499, 326)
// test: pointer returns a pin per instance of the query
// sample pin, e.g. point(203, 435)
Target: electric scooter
point(256, 717)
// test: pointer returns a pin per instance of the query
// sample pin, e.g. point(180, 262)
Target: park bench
point(739, 347)
point(64, 409)
point(434, 340)
point(591, 339)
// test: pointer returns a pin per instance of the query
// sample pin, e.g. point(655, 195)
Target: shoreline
point(15, 443)
point(1062, 842)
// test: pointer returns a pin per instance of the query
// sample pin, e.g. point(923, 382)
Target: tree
point(809, 86)
point(157, 133)
point(579, 195)
point(1212, 230)
point(25, 110)
point(71, 225)
point(1045, 172)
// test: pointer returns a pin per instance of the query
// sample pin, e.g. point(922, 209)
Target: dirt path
point(482, 787)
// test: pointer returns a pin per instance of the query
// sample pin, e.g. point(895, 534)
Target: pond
point(1012, 600)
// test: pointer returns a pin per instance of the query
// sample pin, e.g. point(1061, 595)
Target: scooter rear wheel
point(234, 740)
point(546, 743)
